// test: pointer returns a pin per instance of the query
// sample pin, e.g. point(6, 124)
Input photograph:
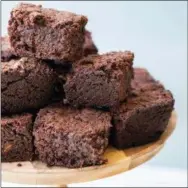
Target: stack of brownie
point(63, 103)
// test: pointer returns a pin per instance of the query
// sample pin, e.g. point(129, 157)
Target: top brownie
point(100, 80)
point(46, 33)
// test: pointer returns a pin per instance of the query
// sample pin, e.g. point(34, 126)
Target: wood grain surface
point(37, 173)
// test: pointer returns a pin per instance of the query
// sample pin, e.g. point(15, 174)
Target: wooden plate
point(36, 173)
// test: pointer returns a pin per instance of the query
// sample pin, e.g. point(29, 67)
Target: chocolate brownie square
point(143, 117)
point(26, 83)
point(46, 33)
point(69, 137)
point(89, 45)
point(100, 80)
point(16, 138)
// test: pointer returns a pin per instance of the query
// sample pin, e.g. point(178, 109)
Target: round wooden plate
point(36, 173)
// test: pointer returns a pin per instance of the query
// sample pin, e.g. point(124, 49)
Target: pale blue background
point(157, 33)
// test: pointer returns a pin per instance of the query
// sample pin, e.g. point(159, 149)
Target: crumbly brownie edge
point(16, 138)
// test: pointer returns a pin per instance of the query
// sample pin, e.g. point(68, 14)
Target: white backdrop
point(157, 33)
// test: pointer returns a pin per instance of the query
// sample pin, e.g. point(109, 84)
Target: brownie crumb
point(19, 164)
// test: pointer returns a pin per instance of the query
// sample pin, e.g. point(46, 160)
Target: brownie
point(89, 45)
point(64, 136)
point(100, 80)
point(16, 138)
point(143, 80)
point(143, 117)
point(26, 83)
point(46, 33)
point(7, 53)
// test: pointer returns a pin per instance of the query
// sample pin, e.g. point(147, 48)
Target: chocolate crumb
point(19, 164)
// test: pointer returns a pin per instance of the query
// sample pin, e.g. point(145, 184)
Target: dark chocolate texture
point(100, 80)
point(144, 116)
point(73, 137)
point(16, 138)
point(26, 83)
point(46, 33)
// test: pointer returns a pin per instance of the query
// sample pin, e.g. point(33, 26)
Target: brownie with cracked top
point(26, 83)
point(16, 138)
point(89, 45)
point(46, 33)
point(73, 137)
point(100, 80)
point(144, 116)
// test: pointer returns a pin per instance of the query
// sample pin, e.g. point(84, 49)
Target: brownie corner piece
point(73, 137)
point(46, 33)
point(100, 80)
point(16, 138)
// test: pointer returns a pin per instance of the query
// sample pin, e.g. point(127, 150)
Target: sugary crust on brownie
point(100, 80)
point(73, 137)
point(52, 17)
point(46, 33)
point(147, 99)
point(108, 61)
point(66, 118)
